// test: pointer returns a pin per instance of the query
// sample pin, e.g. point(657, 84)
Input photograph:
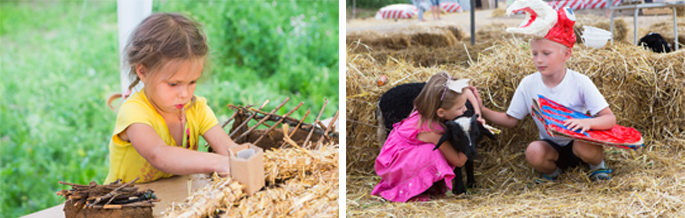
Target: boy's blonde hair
point(562, 47)
point(160, 39)
point(429, 100)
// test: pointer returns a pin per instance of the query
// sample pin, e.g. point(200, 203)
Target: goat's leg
point(470, 178)
point(458, 182)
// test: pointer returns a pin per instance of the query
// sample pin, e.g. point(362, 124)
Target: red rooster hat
point(543, 21)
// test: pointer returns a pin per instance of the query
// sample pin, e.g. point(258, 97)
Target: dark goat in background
point(655, 42)
point(397, 103)
point(464, 134)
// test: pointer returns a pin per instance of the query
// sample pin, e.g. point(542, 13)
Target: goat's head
point(464, 134)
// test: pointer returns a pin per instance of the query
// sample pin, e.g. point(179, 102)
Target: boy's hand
point(576, 124)
point(481, 120)
point(477, 95)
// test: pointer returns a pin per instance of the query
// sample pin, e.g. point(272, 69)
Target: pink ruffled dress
point(407, 166)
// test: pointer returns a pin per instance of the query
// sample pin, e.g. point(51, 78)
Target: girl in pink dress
point(407, 164)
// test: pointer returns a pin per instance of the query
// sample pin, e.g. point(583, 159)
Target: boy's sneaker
point(601, 174)
point(545, 179)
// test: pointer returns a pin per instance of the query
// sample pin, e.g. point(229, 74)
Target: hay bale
point(455, 30)
point(644, 90)
point(372, 41)
point(499, 12)
point(429, 36)
point(491, 33)
point(666, 30)
point(459, 55)
point(435, 37)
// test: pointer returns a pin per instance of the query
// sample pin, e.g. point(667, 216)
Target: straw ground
point(644, 90)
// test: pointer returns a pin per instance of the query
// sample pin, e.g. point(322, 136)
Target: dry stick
point(293, 122)
point(297, 126)
point(72, 184)
point(108, 195)
point(264, 119)
point(279, 122)
point(111, 199)
point(330, 126)
point(317, 120)
point(247, 120)
point(322, 125)
point(229, 119)
point(119, 206)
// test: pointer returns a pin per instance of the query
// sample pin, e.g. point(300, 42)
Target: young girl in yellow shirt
point(157, 129)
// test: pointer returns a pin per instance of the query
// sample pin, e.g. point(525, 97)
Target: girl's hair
point(160, 39)
point(428, 101)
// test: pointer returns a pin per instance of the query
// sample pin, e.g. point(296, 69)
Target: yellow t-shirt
point(125, 162)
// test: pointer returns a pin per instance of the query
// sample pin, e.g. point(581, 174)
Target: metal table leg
point(635, 25)
point(611, 18)
point(675, 27)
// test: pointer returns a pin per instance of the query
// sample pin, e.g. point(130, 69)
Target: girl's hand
point(576, 124)
point(224, 169)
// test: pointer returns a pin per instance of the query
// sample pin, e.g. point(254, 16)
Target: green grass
point(59, 63)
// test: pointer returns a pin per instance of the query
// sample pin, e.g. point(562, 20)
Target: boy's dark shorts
point(566, 156)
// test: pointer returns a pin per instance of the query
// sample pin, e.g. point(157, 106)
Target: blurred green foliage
point(59, 63)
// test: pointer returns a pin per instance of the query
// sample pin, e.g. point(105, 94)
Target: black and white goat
point(464, 134)
point(655, 42)
point(398, 102)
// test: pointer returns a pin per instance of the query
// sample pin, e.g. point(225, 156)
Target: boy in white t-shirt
point(551, 155)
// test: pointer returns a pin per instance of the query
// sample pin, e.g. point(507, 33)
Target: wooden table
point(174, 189)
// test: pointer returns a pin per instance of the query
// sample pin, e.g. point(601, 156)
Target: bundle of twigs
point(112, 196)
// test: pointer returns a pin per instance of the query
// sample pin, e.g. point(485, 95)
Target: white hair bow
point(455, 85)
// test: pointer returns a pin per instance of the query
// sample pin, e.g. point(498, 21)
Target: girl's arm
point(219, 140)
point(453, 157)
point(172, 159)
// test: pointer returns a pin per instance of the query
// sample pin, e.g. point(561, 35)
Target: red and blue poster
point(553, 115)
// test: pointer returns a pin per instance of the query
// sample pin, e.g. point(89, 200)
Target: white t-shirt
point(575, 91)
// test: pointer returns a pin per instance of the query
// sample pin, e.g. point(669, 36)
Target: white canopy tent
point(129, 14)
